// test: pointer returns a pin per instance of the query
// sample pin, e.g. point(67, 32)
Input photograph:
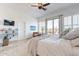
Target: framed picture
point(32, 28)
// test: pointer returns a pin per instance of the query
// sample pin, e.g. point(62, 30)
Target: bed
point(52, 46)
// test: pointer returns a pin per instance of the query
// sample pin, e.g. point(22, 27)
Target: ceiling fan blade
point(44, 9)
point(46, 4)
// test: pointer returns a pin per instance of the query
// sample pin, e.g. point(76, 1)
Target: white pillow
point(75, 42)
point(64, 32)
point(72, 34)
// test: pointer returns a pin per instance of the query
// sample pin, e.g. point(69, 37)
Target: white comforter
point(49, 47)
point(54, 47)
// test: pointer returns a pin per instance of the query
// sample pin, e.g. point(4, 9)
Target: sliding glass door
point(56, 27)
point(49, 26)
point(53, 26)
point(42, 27)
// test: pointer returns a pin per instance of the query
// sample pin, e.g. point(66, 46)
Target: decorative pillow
point(75, 42)
point(64, 32)
point(72, 34)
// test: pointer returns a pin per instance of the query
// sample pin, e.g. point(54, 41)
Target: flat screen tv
point(9, 22)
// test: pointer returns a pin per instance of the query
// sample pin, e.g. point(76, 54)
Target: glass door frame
point(53, 23)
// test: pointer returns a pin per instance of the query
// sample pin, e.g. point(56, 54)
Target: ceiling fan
point(41, 6)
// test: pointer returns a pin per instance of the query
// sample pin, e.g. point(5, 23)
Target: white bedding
point(32, 46)
point(53, 47)
point(75, 51)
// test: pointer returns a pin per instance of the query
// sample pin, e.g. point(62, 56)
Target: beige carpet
point(15, 48)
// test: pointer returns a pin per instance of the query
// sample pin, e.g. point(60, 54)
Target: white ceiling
point(51, 8)
point(25, 9)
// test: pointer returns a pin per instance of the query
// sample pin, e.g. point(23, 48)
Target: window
point(42, 27)
point(71, 23)
point(67, 22)
point(49, 26)
point(75, 21)
point(53, 26)
point(56, 26)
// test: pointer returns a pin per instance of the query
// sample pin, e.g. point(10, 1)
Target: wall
point(22, 20)
point(29, 23)
point(24, 28)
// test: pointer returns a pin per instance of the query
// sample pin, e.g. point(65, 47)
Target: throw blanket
point(32, 46)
